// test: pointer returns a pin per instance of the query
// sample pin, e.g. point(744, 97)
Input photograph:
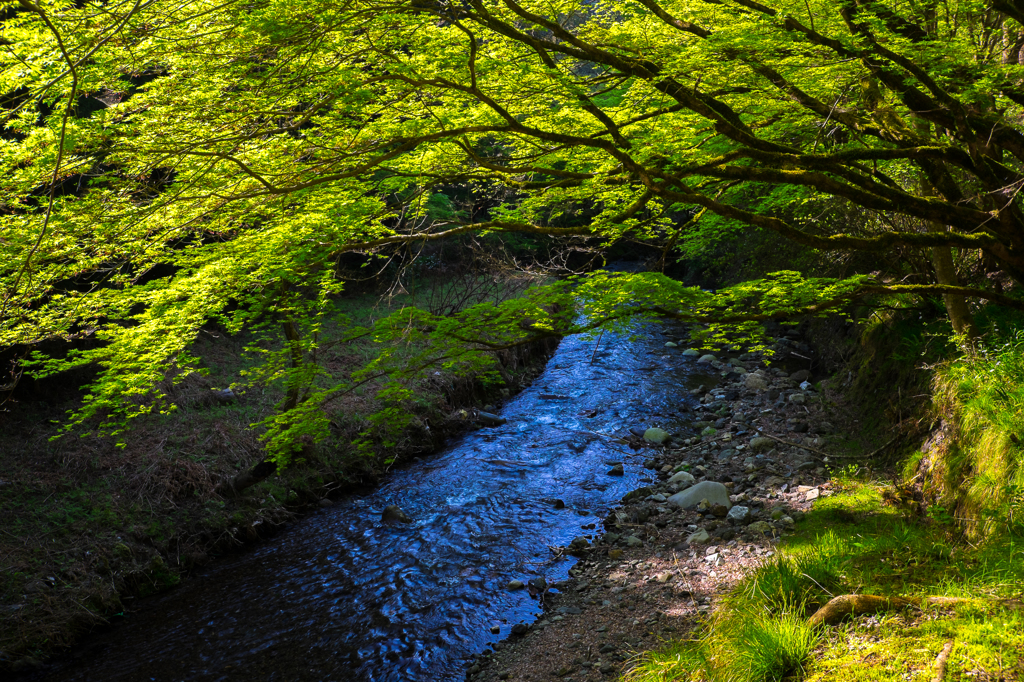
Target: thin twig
point(797, 445)
point(825, 454)
point(596, 346)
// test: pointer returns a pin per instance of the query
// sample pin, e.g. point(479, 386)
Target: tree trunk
point(291, 335)
point(956, 306)
point(266, 468)
point(248, 478)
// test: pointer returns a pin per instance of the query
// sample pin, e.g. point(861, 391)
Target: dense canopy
point(168, 163)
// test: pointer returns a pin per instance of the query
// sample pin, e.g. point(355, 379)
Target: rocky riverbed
point(722, 502)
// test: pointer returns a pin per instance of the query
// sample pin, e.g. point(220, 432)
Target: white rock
point(713, 492)
point(681, 477)
point(738, 514)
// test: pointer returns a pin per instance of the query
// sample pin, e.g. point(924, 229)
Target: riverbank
point(668, 593)
point(659, 570)
point(89, 528)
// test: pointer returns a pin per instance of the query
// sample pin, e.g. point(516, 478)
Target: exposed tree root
point(845, 605)
point(941, 661)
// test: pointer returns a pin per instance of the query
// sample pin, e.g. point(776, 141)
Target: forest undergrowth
point(88, 526)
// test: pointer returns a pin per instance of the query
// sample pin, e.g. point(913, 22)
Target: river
point(340, 595)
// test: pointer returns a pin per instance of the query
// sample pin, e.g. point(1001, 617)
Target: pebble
point(617, 470)
point(515, 585)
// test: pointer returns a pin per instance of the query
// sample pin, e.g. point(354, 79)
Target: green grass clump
point(802, 581)
point(748, 647)
point(979, 468)
point(772, 647)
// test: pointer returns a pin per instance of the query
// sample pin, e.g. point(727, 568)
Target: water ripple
point(342, 596)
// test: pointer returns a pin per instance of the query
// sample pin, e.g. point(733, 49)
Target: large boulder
point(704, 359)
point(714, 493)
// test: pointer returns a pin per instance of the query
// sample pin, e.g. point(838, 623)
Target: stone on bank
point(715, 493)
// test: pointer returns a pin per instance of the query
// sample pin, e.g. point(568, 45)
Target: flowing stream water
point(342, 596)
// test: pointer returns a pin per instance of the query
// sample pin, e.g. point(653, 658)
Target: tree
point(240, 149)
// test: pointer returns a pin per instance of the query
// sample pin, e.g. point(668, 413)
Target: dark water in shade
point(341, 596)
